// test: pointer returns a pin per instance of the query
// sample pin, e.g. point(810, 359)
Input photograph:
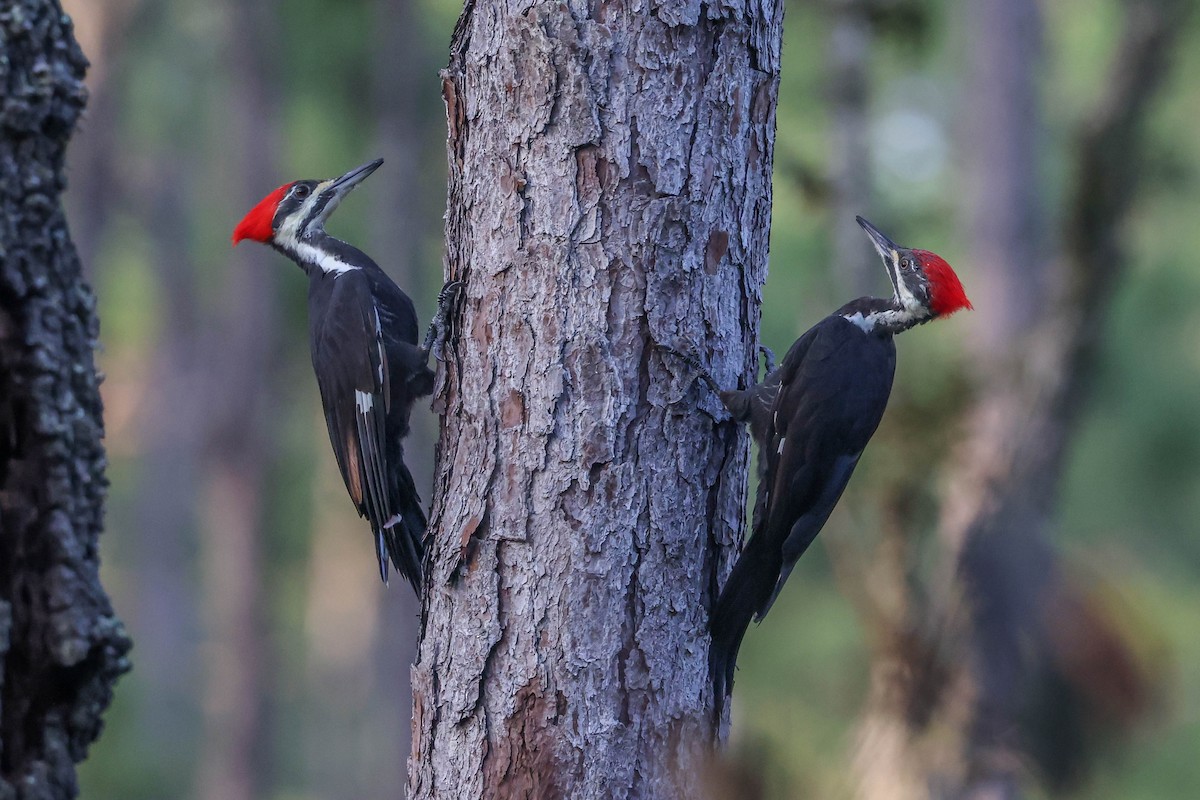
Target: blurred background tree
point(271, 663)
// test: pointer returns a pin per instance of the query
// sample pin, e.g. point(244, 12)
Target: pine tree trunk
point(61, 647)
point(609, 190)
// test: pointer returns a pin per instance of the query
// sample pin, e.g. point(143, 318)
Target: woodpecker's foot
point(449, 293)
point(768, 357)
point(439, 328)
point(691, 358)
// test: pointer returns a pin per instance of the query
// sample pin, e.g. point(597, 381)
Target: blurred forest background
point(267, 658)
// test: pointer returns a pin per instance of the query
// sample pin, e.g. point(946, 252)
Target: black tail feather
point(404, 534)
point(749, 587)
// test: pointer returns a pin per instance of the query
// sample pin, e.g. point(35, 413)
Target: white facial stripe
point(329, 207)
point(289, 232)
point(858, 319)
point(904, 295)
point(289, 237)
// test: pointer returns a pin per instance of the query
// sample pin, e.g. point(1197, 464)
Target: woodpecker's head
point(923, 284)
point(295, 213)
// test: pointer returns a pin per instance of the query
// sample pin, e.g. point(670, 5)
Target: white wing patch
point(370, 439)
point(382, 370)
point(379, 343)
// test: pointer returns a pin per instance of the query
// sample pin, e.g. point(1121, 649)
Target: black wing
point(829, 395)
point(830, 402)
point(396, 310)
point(354, 376)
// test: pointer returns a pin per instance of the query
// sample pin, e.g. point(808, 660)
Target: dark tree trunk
point(1005, 211)
point(972, 680)
point(877, 583)
point(61, 647)
point(609, 190)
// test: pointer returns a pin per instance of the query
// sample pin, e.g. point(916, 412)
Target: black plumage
point(815, 414)
point(370, 369)
point(811, 419)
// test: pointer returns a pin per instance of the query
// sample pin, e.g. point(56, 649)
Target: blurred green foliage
point(1132, 491)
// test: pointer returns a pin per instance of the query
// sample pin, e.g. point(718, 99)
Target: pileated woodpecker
point(811, 418)
point(370, 369)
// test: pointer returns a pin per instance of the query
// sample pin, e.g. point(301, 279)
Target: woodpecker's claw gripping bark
point(768, 357)
point(439, 328)
point(691, 358)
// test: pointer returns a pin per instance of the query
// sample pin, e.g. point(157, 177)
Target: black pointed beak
point(332, 192)
point(886, 247)
point(342, 186)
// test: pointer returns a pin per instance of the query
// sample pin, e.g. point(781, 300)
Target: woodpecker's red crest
point(946, 293)
point(258, 225)
point(292, 217)
point(924, 285)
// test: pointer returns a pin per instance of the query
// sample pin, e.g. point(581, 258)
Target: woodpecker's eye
point(905, 263)
point(302, 191)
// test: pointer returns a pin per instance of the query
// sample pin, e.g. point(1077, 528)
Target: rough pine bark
point(61, 646)
point(609, 191)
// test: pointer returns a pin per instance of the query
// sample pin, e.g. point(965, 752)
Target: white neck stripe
point(891, 319)
point(326, 261)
